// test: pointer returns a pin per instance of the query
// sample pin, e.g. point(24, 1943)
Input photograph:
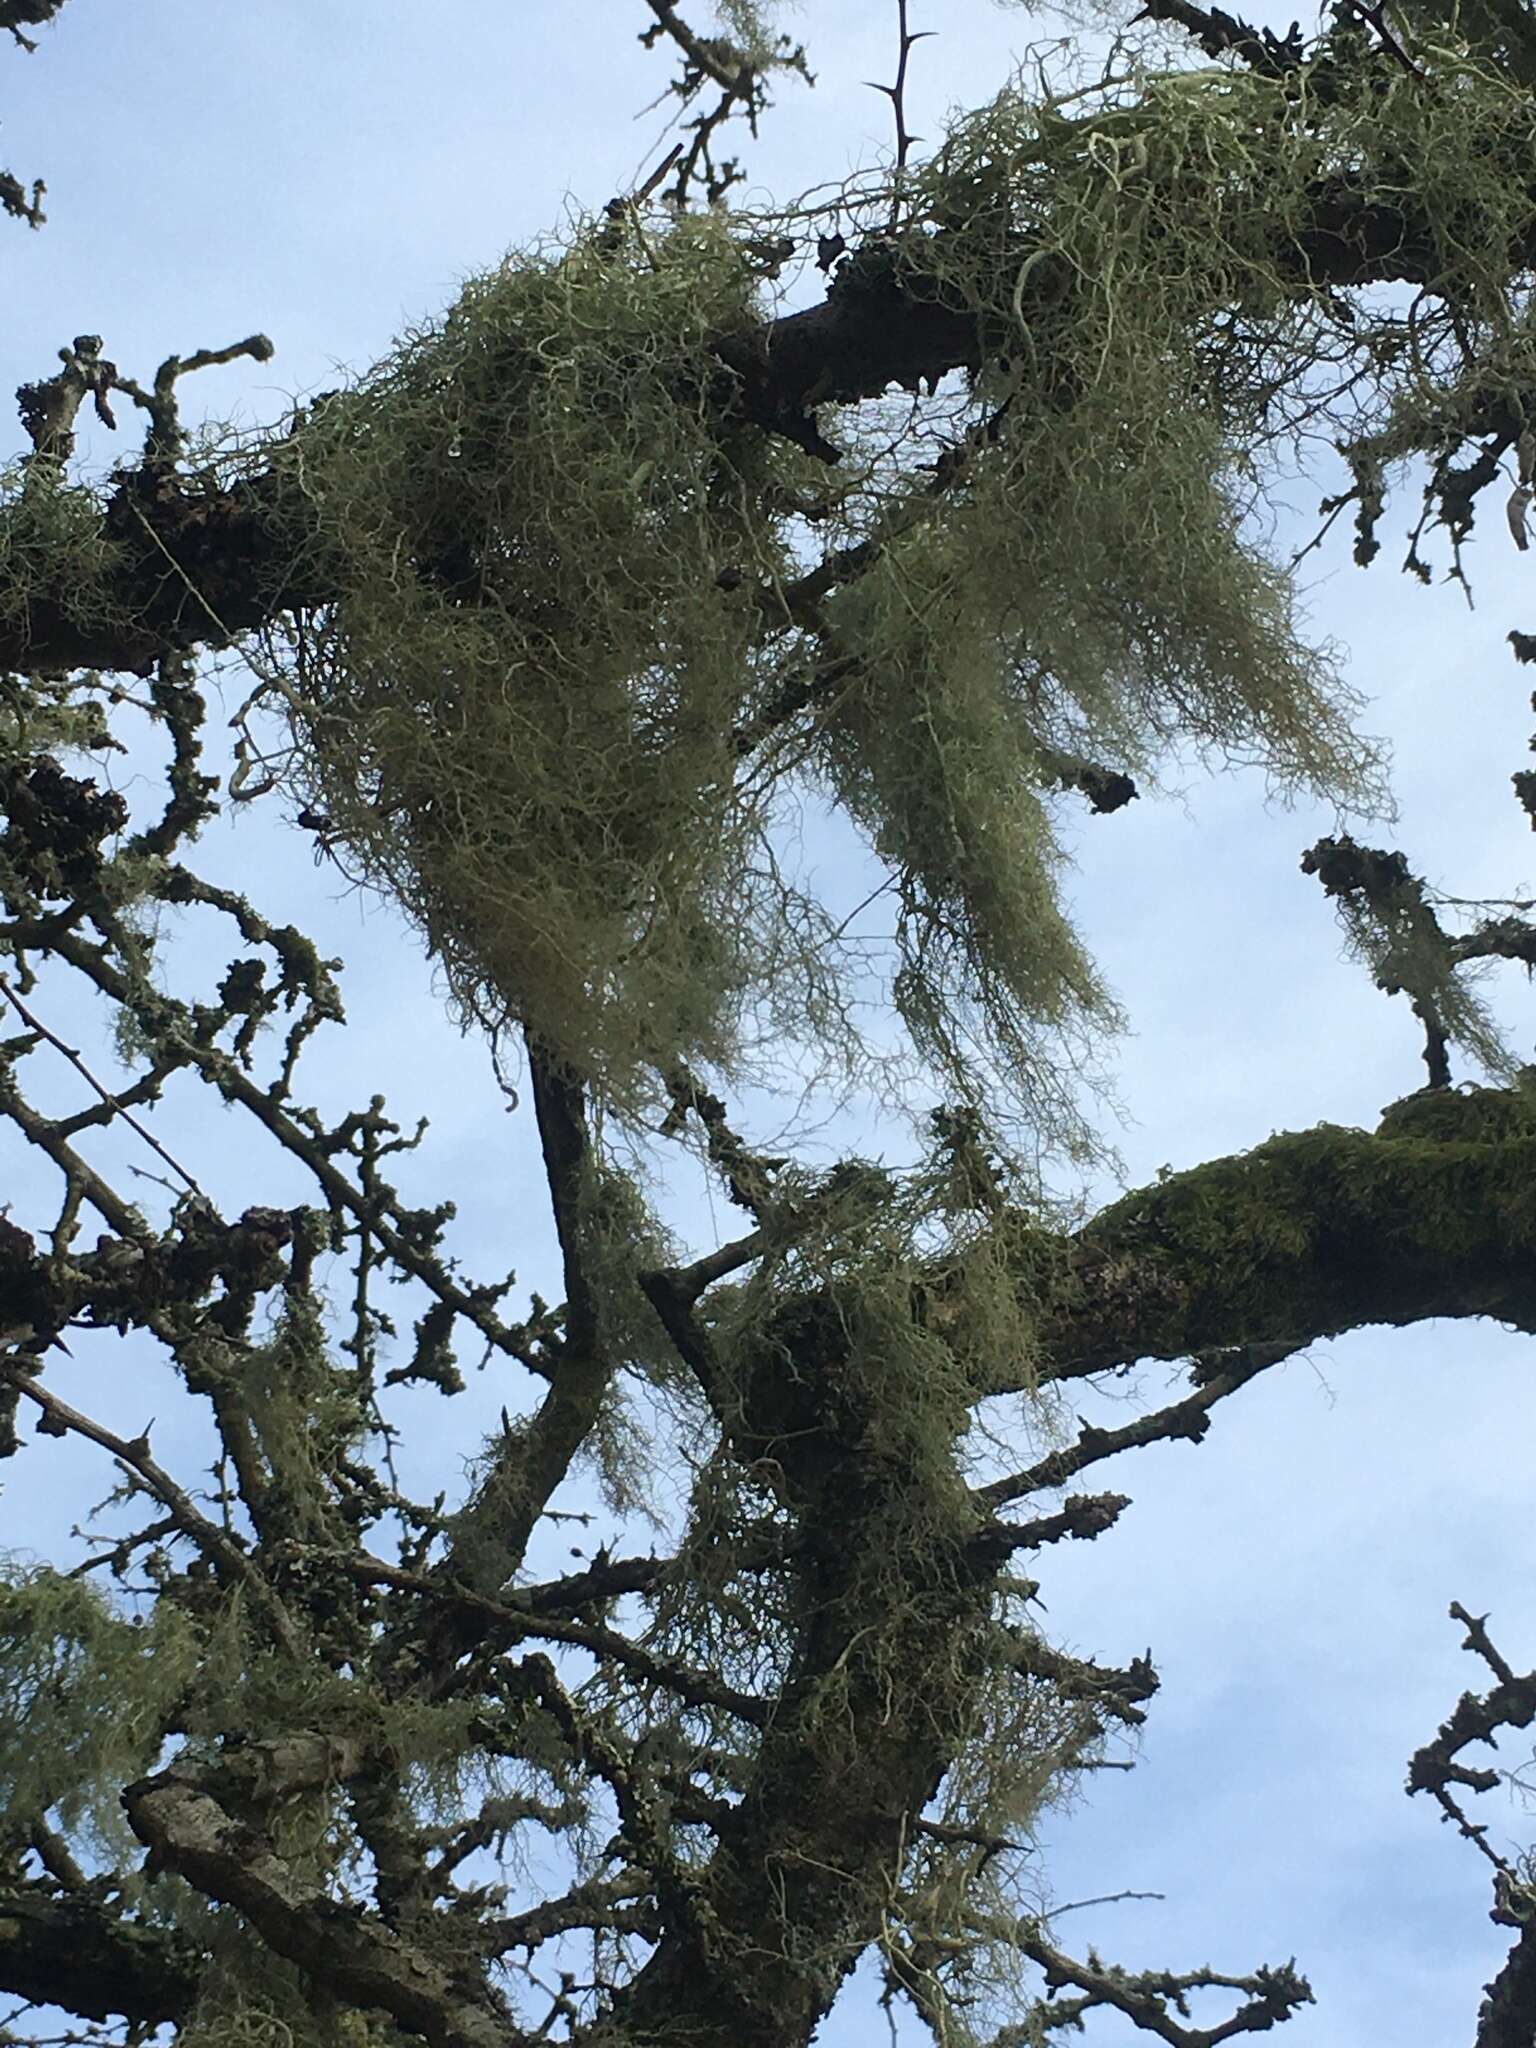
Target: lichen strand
point(56, 555)
point(1318, 1231)
point(517, 714)
point(85, 1695)
point(561, 549)
point(1092, 581)
point(845, 1373)
point(857, 1413)
point(934, 757)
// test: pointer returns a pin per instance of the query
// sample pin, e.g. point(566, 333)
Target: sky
point(328, 176)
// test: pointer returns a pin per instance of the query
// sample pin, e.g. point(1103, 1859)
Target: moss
point(1482, 1116)
point(1321, 1230)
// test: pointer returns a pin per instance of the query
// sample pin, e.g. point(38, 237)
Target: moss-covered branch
point(892, 315)
point(189, 1832)
point(882, 1682)
point(1312, 1234)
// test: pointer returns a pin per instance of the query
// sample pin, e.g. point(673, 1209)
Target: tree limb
point(199, 565)
point(355, 1955)
point(1312, 1234)
point(76, 1951)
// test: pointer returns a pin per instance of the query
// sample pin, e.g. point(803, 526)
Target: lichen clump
point(84, 1696)
point(546, 538)
point(568, 676)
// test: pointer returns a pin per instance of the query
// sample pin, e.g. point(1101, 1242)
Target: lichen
point(517, 712)
point(86, 1692)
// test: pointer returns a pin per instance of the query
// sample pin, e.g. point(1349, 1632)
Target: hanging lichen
point(46, 521)
point(865, 1326)
point(85, 1694)
point(545, 540)
point(568, 677)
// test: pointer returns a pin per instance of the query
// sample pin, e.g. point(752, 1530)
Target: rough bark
point(77, 1951)
point(359, 1959)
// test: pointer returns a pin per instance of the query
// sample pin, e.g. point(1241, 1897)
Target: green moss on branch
point(1313, 1234)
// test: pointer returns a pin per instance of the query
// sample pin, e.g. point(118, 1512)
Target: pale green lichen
point(517, 713)
point(560, 696)
point(86, 1694)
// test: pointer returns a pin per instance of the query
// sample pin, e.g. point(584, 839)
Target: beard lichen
point(54, 549)
point(547, 542)
point(568, 678)
point(85, 1694)
point(560, 557)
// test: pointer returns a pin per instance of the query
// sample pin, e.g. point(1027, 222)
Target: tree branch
point(1188, 1419)
point(76, 1951)
point(355, 1955)
point(1145, 1998)
point(199, 566)
point(1307, 1236)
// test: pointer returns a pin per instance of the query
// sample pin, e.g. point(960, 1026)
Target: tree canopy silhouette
point(930, 497)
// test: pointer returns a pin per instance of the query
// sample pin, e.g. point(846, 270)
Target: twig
point(697, 1688)
point(34, 1023)
point(60, 1420)
point(1510, 1704)
point(1273, 1993)
point(897, 95)
point(1189, 1418)
point(1104, 1899)
point(1377, 19)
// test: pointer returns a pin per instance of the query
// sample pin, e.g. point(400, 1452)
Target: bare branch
point(59, 1419)
point(1150, 1998)
point(1187, 1420)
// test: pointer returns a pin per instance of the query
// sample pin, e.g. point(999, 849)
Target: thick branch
point(1507, 2016)
point(1221, 34)
point(491, 1534)
point(355, 1956)
point(73, 1951)
point(1312, 1234)
point(200, 566)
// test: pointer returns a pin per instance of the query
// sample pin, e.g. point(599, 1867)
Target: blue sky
point(328, 175)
